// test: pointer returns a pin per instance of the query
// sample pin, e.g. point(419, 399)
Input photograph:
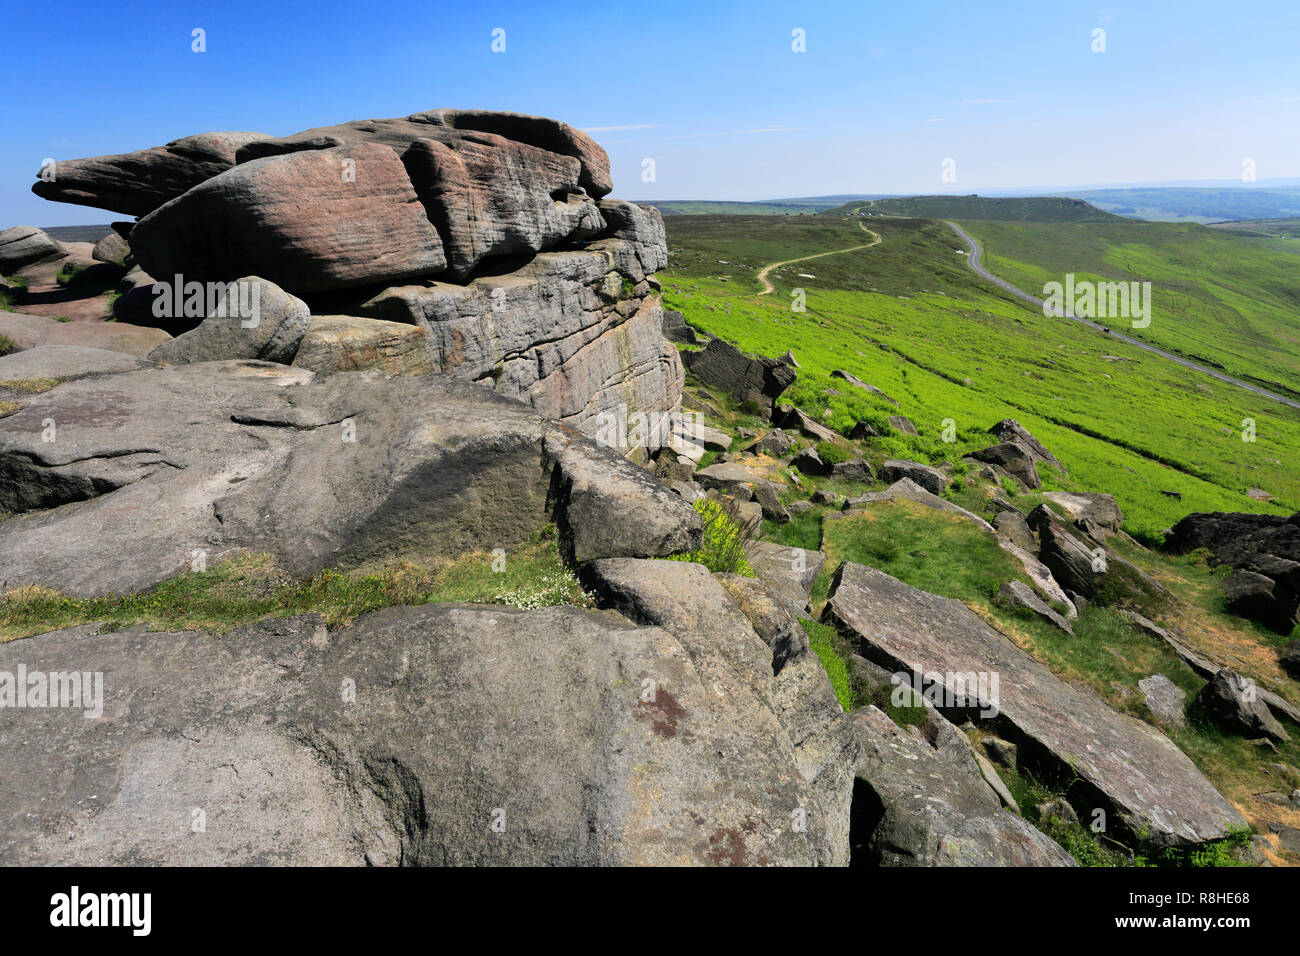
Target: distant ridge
point(1017, 209)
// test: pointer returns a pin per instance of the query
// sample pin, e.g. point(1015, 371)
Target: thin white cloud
point(982, 102)
point(611, 129)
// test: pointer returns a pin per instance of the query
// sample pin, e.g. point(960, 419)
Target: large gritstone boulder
point(118, 481)
point(22, 246)
point(744, 377)
point(436, 735)
point(1148, 789)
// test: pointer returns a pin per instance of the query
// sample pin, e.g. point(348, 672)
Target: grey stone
point(1017, 594)
point(1164, 699)
point(254, 319)
point(931, 479)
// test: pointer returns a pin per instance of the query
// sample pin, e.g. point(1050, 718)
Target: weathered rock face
point(1232, 702)
point(556, 333)
point(1089, 508)
point(1013, 459)
point(1143, 781)
point(918, 803)
point(1010, 430)
point(352, 471)
point(745, 378)
point(255, 319)
point(931, 479)
point(1164, 699)
point(1018, 595)
point(1233, 537)
point(138, 183)
point(32, 331)
point(478, 736)
point(298, 220)
point(344, 343)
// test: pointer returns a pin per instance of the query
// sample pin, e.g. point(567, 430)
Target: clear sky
point(711, 91)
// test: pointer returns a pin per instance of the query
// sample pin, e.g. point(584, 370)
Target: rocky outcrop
point(437, 735)
point(1014, 460)
point(1233, 703)
point(1148, 788)
point(138, 183)
point(33, 331)
point(1010, 430)
point(745, 378)
point(1018, 595)
point(297, 220)
point(931, 479)
point(350, 471)
point(344, 343)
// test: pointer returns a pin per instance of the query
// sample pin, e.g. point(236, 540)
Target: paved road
point(767, 283)
point(973, 260)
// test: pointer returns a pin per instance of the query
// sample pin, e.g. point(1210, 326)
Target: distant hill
point(78, 233)
point(765, 207)
point(1018, 209)
point(1288, 228)
point(1191, 204)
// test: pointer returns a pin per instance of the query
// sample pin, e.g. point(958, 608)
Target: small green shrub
point(722, 548)
point(831, 453)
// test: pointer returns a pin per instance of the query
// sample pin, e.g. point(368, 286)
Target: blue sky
point(712, 91)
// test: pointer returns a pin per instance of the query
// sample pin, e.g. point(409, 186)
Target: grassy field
point(1017, 209)
point(1225, 300)
point(908, 317)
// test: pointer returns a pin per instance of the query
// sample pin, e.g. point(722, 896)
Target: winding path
point(973, 260)
point(767, 284)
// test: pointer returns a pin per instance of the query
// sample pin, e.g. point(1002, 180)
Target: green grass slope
point(1018, 209)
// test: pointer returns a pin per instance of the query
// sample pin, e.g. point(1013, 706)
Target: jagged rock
point(799, 507)
point(138, 183)
point(22, 246)
point(345, 343)
point(555, 333)
point(854, 380)
point(676, 329)
point(862, 431)
point(931, 479)
point(1261, 598)
point(905, 488)
point(448, 125)
point(1085, 570)
point(298, 221)
point(1148, 786)
point(1001, 752)
point(689, 603)
point(1014, 460)
point(1017, 595)
point(449, 738)
point(1010, 430)
point(731, 477)
point(827, 498)
point(1233, 537)
point(788, 359)
point(1232, 702)
point(789, 572)
point(65, 362)
point(766, 497)
point(775, 443)
point(1012, 526)
point(855, 469)
point(1164, 699)
point(745, 378)
point(351, 471)
point(490, 196)
point(902, 424)
point(112, 248)
point(916, 804)
point(1089, 506)
point(33, 331)
point(808, 462)
point(787, 416)
point(1041, 576)
point(254, 319)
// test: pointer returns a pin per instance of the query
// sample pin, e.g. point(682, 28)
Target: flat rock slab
point(65, 362)
point(140, 471)
point(789, 572)
point(1148, 785)
point(436, 735)
point(29, 331)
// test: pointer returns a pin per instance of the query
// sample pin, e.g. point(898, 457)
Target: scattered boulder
point(931, 479)
point(773, 510)
point(1012, 526)
point(789, 572)
point(254, 319)
point(65, 362)
point(902, 424)
point(22, 246)
point(1232, 702)
point(113, 249)
point(775, 443)
point(1089, 507)
point(1020, 596)
point(676, 330)
point(855, 381)
point(918, 804)
point(1164, 699)
point(32, 331)
point(1289, 659)
point(787, 416)
point(1014, 460)
point(745, 378)
point(1260, 598)
point(1010, 430)
point(862, 431)
point(1149, 787)
point(808, 462)
point(855, 469)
